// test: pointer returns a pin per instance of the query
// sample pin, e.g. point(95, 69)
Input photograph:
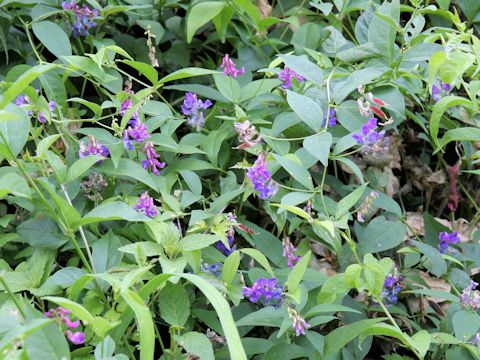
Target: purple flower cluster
point(62, 315)
point(446, 239)
point(247, 134)
point(192, 107)
point(84, 17)
point(51, 106)
point(439, 92)
point(22, 100)
point(151, 161)
point(470, 298)
point(332, 118)
point(371, 140)
point(229, 67)
point(145, 204)
point(215, 269)
point(136, 130)
point(265, 291)
point(288, 252)
point(261, 178)
point(391, 288)
point(298, 322)
point(93, 148)
point(287, 75)
point(230, 237)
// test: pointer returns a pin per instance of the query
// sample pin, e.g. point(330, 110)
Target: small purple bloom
point(41, 119)
point(288, 253)
point(137, 131)
point(72, 324)
point(152, 157)
point(265, 291)
point(298, 322)
point(371, 140)
point(229, 67)
point(93, 148)
point(145, 204)
point(470, 298)
point(261, 178)
point(286, 75)
point(391, 288)
point(84, 17)
point(221, 246)
point(332, 119)
point(52, 105)
point(192, 106)
point(24, 100)
point(446, 239)
point(76, 338)
point(439, 92)
point(214, 269)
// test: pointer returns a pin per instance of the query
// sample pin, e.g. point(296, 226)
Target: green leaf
point(350, 200)
point(200, 14)
point(340, 337)
point(81, 166)
point(461, 134)
point(11, 183)
point(53, 37)
point(260, 258)
point(174, 304)
point(295, 167)
point(301, 65)
point(230, 267)
point(212, 143)
point(354, 80)
point(421, 340)
point(319, 146)
point(97, 109)
point(297, 273)
point(438, 265)
point(294, 209)
point(380, 235)
point(306, 109)
point(328, 308)
point(196, 343)
point(146, 70)
point(105, 252)
point(332, 288)
point(197, 241)
point(383, 30)
point(128, 168)
point(354, 167)
point(439, 109)
point(258, 87)
point(115, 210)
point(48, 342)
point(45, 144)
point(222, 309)
point(144, 323)
point(228, 87)
point(41, 232)
point(186, 73)
point(268, 316)
point(358, 53)
point(14, 128)
point(78, 310)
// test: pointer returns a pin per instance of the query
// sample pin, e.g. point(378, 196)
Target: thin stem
point(10, 293)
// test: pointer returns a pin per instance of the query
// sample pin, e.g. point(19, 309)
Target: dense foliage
point(239, 179)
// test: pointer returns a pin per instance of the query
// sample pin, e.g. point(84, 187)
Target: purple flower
point(446, 239)
point(192, 106)
point(93, 148)
point(229, 67)
point(84, 17)
point(265, 291)
point(470, 298)
point(298, 322)
point(214, 269)
point(476, 339)
point(152, 157)
point(137, 131)
point(261, 178)
point(76, 338)
point(371, 140)
point(24, 100)
point(145, 204)
point(72, 324)
point(288, 253)
point(247, 134)
point(221, 246)
point(332, 119)
point(391, 288)
point(439, 92)
point(286, 75)
point(41, 119)
point(52, 105)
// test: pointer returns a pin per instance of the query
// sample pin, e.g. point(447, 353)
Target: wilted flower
point(229, 67)
point(145, 204)
point(446, 239)
point(247, 134)
point(215, 338)
point(261, 178)
point(215, 269)
point(439, 92)
point(84, 17)
point(265, 291)
point(192, 106)
point(93, 186)
point(152, 157)
point(288, 252)
point(152, 53)
point(391, 288)
point(298, 322)
point(286, 75)
point(366, 206)
point(371, 140)
point(93, 148)
point(470, 298)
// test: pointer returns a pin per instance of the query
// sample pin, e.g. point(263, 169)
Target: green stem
point(12, 296)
